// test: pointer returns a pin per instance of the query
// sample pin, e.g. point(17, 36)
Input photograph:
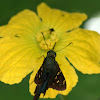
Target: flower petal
point(18, 54)
point(68, 72)
point(84, 52)
point(59, 20)
point(26, 20)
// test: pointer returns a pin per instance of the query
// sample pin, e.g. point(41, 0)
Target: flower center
point(47, 38)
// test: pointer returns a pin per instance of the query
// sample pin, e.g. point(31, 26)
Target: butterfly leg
point(41, 56)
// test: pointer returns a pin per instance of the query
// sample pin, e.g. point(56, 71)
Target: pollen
point(53, 36)
point(46, 39)
point(39, 37)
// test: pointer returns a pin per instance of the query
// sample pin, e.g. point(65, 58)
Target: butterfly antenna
point(54, 46)
point(64, 47)
point(44, 40)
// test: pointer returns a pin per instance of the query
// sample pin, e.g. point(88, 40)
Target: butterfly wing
point(39, 76)
point(58, 82)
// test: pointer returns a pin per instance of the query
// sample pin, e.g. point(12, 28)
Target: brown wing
point(38, 78)
point(59, 82)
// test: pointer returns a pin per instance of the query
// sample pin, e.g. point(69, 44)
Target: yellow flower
point(22, 44)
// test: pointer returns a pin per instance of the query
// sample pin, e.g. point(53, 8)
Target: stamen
point(46, 39)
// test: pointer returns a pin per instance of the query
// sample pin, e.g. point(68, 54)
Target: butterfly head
point(51, 53)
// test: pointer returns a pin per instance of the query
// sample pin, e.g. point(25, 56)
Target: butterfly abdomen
point(37, 92)
point(41, 89)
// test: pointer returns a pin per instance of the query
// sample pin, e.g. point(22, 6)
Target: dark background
point(88, 87)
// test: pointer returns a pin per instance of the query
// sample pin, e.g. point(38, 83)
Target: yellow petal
point(59, 20)
point(68, 72)
point(26, 20)
point(84, 52)
point(18, 54)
